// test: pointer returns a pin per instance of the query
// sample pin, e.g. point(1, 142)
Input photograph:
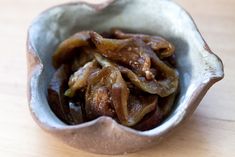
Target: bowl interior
point(162, 18)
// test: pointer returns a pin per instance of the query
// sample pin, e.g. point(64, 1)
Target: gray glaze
point(198, 67)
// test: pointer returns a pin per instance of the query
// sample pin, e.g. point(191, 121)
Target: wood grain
point(210, 131)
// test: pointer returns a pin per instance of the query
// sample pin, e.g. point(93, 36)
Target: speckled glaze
point(198, 67)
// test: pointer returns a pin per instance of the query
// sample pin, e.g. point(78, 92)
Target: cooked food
point(129, 77)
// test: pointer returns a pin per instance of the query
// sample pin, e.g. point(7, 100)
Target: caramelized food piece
point(58, 102)
point(65, 50)
point(140, 105)
point(162, 87)
point(160, 46)
point(86, 55)
point(129, 52)
point(150, 121)
point(137, 107)
point(170, 75)
point(166, 104)
point(79, 79)
point(98, 93)
point(65, 110)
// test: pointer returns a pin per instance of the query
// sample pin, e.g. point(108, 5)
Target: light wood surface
point(209, 133)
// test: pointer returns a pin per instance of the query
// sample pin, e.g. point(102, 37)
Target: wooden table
point(210, 131)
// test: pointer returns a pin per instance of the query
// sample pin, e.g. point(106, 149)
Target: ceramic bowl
point(198, 67)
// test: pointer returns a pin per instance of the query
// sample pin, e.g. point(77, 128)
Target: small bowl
point(198, 67)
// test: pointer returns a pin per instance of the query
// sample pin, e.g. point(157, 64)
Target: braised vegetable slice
point(66, 50)
point(86, 55)
point(98, 93)
point(161, 47)
point(170, 75)
point(79, 79)
point(129, 52)
point(162, 87)
point(166, 103)
point(150, 121)
point(58, 102)
point(137, 107)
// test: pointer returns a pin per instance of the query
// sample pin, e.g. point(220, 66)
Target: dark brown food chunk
point(58, 102)
point(65, 110)
point(65, 50)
